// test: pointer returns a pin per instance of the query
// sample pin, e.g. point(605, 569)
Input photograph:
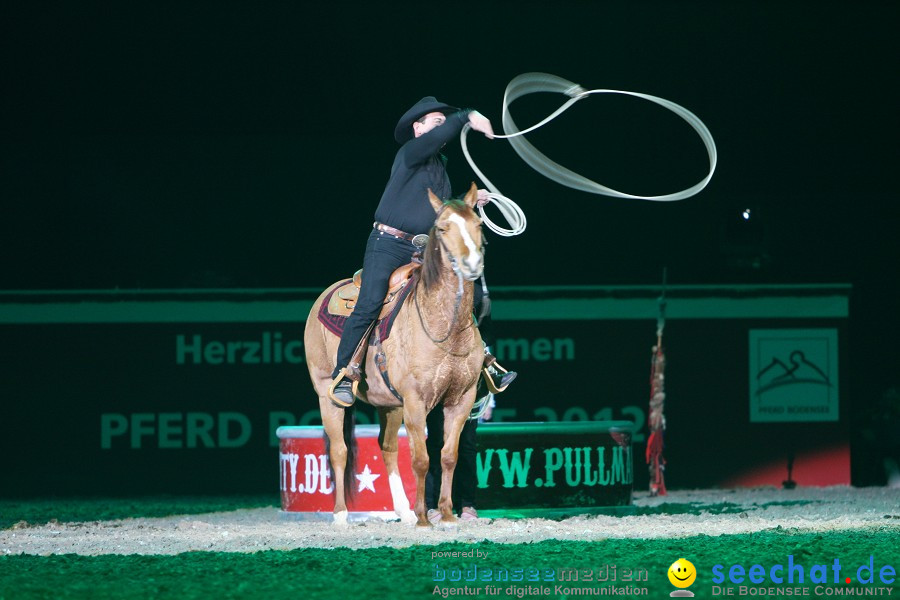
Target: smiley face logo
point(682, 573)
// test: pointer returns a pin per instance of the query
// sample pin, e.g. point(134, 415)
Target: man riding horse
point(402, 220)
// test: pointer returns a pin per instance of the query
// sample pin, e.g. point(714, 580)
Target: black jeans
point(384, 253)
point(485, 324)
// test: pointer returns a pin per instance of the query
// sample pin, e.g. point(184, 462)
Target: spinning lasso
point(529, 83)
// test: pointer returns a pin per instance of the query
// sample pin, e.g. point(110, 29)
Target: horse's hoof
point(340, 519)
point(448, 525)
point(438, 519)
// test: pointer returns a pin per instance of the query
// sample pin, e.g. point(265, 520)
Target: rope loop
point(530, 83)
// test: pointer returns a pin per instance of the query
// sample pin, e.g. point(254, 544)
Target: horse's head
point(457, 233)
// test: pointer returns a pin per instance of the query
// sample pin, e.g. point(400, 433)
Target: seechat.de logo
point(682, 574)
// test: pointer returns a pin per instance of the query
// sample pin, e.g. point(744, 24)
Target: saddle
point(343, 299)
point(333, 314)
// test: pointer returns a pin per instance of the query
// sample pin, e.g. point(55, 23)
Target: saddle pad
point(335, 323)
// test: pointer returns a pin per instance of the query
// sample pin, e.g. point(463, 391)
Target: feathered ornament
point(656, 421)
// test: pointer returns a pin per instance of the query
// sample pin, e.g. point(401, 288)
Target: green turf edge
point(410, 572)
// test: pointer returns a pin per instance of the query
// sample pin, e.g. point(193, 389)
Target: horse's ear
point(471, 196)
point(436, 202)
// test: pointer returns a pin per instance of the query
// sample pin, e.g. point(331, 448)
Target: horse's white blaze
point(401, 502)
point(474, 257)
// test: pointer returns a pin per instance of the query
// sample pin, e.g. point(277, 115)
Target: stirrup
point(334, 399)
point(358, 389)
point(506, 377)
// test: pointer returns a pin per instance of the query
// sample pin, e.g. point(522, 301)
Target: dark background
point(225, 144)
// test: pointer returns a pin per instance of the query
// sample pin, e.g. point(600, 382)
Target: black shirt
point(417, 167)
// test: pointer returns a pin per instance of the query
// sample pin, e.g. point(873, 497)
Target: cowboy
point(402, 220)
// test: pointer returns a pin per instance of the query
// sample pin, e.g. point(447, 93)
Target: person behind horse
point(403, 216)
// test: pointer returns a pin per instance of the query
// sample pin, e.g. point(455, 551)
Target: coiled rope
point(530, 83)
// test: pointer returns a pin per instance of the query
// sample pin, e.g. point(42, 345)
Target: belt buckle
point(420, 241)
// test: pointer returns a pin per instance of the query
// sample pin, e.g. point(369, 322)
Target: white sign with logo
point(793, 375)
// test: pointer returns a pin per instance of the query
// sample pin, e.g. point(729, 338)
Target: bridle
point(454, 264)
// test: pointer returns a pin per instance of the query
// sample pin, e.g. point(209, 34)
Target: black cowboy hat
point(429, 104)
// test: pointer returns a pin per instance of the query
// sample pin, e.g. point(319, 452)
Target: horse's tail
point(350, 443)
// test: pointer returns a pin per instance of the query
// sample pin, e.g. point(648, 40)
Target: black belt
point(418, 240)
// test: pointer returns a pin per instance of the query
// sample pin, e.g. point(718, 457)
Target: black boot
point(341, 395)
point(501, 379)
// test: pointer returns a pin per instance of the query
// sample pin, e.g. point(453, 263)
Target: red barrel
point(305, 477)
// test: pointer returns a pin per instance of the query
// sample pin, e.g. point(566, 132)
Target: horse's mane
point(431, 261)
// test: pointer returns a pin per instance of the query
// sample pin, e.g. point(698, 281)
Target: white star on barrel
point(367, 479)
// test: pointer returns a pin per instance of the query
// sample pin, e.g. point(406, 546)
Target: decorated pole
point(656, 420)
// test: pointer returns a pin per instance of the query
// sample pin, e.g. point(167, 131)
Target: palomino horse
point(434, 355)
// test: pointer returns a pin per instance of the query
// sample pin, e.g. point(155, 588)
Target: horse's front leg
point(333, 422)
point(414, 417)
point(391, 419)
point(455, 416)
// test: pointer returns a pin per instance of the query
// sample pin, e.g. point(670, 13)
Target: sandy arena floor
point(799, 510)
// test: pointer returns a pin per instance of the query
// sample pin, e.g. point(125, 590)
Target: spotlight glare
point(746, 214)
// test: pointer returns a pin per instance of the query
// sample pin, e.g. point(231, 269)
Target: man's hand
point(480, 123)
point(483, 197)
